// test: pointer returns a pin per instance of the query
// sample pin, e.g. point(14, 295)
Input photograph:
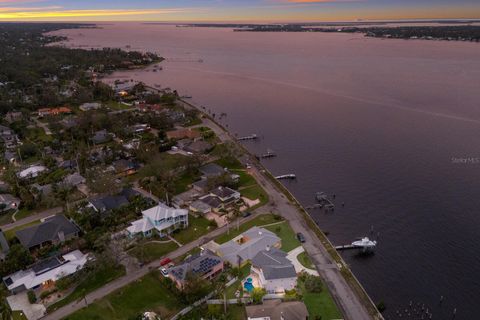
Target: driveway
point(292, 256)
point(20, 302)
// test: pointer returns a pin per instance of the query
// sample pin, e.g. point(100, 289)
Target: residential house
point(68, 164)
point(198, 147)
point(274, 271)
point(204, 264)
point(53, 230)
point(45, 273)
point(8, 136)
point(41, 190)
point(226, 195)
point(156, 108)
point(10, 157)
point(32, 172)
point(7, 202)
point(90, 106)
point(42, 112)
point(73, 180)
point(161, 220)
point(277, 310)
point(183, 134)
point(212, 170)
point(125, 167)
point(101, 136)
point(139, 128)
point(104, 203)
point(206, 204)
point(4, 247)
point(13, 116)
point(244, 247)
point(201, 186)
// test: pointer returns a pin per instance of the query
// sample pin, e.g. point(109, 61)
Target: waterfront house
point(212, 170)
point(161, 220)
point(277, 310)
point(198, 147)
point(183, 134)
point(52, 230)
point(273, 271)
point(226, 195)
point(244, 247)
point(204, 264)
point(45, 273)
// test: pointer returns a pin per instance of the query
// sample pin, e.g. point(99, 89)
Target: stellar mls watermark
point(465, 160)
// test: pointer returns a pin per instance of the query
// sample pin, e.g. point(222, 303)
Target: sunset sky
point(235, 10)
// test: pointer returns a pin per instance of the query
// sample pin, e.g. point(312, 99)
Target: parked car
point(164, 272)
point(246, 214)
point(301, 237)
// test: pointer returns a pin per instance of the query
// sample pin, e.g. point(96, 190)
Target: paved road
point(137, 274)
point(349, 303)
point(34, 217)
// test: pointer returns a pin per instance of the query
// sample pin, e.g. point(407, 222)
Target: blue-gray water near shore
point(391, 127)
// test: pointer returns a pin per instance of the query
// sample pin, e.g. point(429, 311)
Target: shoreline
point(345, 271)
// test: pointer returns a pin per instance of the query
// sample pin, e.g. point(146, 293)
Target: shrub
point(313, 284)
point(32, 298)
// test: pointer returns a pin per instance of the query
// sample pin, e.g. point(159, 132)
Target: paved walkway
point(32, 218)
point(292, 256)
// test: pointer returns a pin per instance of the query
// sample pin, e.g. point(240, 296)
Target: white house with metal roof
point(161, 220)
point(46, 272)
point(274, 271)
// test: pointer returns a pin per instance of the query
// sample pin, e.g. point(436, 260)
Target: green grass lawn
point(304, 259)
point(18, 315)
point(197, 227)
point(37, 135)
point(320, 304)
point(255, 192)
point(227, 162)
point(184, 181)
point(285, 232)
point(258, 221)
point(245, 180)
point(6, 217)
point(145, 294)
point(235, 312)
point(115, 106)
point(90, 284)
point(10, 234)
point(245, 271)
point(152, 251)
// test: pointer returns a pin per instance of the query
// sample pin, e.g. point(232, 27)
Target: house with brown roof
point(183, 134)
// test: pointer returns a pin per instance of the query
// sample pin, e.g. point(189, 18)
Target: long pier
point(286, 176)
point(253, 136)
point(346, 247)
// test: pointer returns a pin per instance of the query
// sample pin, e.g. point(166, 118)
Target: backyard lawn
point(151, 251)
point(285, 232)
point(182, 183)
point(245, 271)
point(145, 294)
point(89, 284)
point(258, 221)
point(197, 227)
point(320, 304)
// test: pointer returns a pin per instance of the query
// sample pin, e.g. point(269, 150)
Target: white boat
point(365, 243)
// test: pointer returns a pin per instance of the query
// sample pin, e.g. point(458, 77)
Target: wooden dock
point(253, 136)
point(286, 176)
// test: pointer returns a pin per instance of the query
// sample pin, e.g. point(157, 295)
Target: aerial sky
point(236, 10)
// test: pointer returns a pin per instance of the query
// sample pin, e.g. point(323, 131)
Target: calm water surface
point(380, 123)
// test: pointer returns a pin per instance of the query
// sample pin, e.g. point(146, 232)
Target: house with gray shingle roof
point(244, 247)
point(205, 264)
point(4, 247)
point(275, 272)
point(53, 230)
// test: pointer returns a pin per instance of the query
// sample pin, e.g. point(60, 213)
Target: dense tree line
point(34, 74)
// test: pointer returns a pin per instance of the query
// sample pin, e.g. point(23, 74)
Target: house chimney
point(61, 236)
